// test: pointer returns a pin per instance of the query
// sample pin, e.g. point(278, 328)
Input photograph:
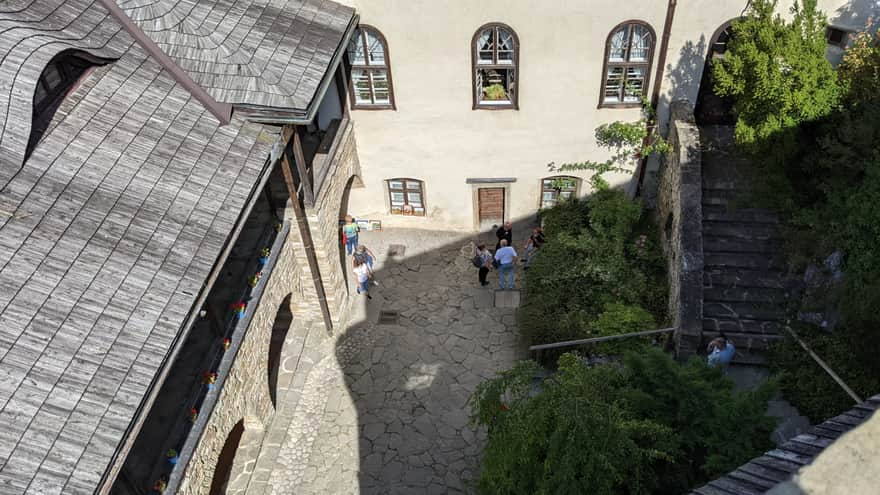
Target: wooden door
point(491, 207)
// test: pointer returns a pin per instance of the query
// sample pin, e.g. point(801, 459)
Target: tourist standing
point(505, 256)
point(484, 258)
point(365, 256)
point(535, 241)
point(363, 273)
point(350, 230)
point(505, 232)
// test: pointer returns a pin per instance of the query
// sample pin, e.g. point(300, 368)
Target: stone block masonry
point(245, 395)
point(680, 213)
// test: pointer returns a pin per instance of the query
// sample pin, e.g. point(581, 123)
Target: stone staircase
point(746, 286)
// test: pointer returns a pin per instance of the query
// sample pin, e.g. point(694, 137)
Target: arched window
point(495, 56)
point(370, 70)
point(560, 187)
point(57, 80)
point(407, 197)
point(628, 53)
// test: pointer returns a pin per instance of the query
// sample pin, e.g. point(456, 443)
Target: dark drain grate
point(396, 250)
point(389, 317)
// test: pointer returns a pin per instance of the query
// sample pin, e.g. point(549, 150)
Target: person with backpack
point(350, 234)
point(483, 261)
point(364, 274)
point(366, 257)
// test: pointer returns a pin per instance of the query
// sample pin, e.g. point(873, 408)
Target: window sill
point(390, 106)
point(496, 106)
point(628, 104)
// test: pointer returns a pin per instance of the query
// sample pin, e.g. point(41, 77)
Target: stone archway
point(226, 460)
point(343, 210)
point(280, 327)
point(711, 109)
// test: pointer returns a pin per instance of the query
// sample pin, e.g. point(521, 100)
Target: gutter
point(275, 115)
point(223, 111)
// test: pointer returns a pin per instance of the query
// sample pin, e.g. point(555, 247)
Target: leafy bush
point(598, 253)
point(809, 388)
point(648, 426)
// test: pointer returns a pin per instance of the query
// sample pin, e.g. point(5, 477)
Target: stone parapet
point(680, 211)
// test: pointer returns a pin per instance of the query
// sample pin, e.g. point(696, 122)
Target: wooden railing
point(572, 343)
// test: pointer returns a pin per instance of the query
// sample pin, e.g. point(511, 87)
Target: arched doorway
point(343, 211)
point(223, 469)
point(710, 108)
point(280, 327)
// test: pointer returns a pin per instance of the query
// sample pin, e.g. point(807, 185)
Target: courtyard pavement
point(384, 408)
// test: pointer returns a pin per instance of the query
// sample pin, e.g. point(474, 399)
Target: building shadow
point(414, 353)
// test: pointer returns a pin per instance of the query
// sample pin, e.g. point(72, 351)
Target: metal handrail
point(570, 343)
point(825, 366)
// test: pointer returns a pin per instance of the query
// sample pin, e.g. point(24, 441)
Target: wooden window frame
point(406, 180)
point(362, 32)
point(627, 63)
point(513, 104)
point(577, 187)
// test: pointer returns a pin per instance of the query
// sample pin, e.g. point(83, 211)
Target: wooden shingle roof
point(270, 53)
point(763, 473)
point(108, 233)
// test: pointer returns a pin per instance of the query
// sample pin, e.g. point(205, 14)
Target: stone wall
point(245, 392)
point(323, 219)
point(680, 213)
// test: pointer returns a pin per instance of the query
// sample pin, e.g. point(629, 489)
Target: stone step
point(718, 197)
point(740, 230)
point(721, 213)
point(744, 341)
point(749, 294)
point(749, 261)
point(714, 243)
point(753, 327)
point(743, 311)
point(743, 277)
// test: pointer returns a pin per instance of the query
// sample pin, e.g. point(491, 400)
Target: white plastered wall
point(436, 136)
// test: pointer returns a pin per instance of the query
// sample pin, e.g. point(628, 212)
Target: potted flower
point(277, 227)
point(193, 415)
point(254, 279)
point(226, 343)
point(264, 256)
point(209, 378)
point(172, 456)
point(239, 308)
point(160, 485)
point(495, 92)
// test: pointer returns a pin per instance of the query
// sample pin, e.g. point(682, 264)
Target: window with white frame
point(627, 64)
point(370, 68)
point(495, 51)
point(555, 189)
point(407, 197)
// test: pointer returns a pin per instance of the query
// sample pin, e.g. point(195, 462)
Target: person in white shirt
point(363, 272)
point(506, 257)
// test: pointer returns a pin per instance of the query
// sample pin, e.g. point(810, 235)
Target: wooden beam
point(305, 232)
point(300, 159)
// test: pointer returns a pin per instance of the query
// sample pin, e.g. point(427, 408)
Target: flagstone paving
point(385, 408)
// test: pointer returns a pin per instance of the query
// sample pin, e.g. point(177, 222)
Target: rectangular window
point(635, 81)
point(837, 37)
point(406, 196)
point(495, 86)
point(554, 189)
point(613, 84)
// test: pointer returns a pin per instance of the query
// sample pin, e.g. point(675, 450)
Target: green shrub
point(599, 251)
point(850, 353)
point(649, 425)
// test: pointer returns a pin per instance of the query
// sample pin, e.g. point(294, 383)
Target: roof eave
point(276, 115)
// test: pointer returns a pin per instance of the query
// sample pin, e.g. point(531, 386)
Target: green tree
point(648, 426)
point(777, 74)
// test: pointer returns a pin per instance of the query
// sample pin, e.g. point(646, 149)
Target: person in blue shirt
point(506, 257)
point(721, 352)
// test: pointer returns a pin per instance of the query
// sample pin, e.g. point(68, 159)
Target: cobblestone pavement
point(385, 411)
